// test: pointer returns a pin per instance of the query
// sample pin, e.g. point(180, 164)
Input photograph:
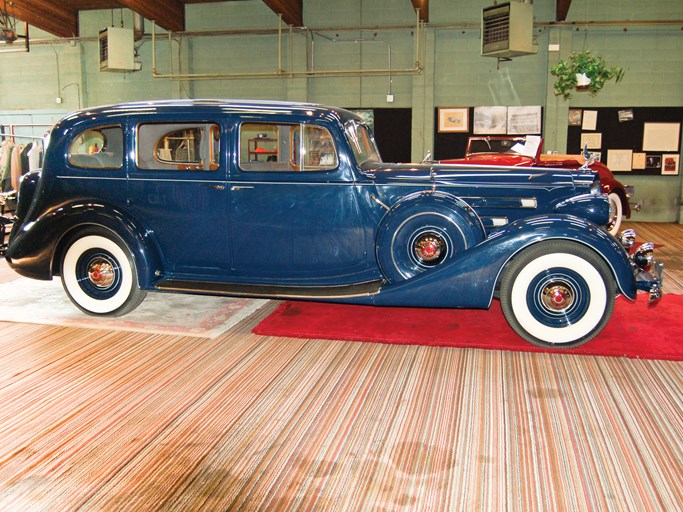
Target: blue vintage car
point(285, 200)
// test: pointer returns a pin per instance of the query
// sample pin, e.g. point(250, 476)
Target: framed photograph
point(653, 162)
point(454, 119)
point(490, 120)
point(670, 164)
point(575, 116)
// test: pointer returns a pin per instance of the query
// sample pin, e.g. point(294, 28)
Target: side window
point(319, 152)
point(97, 148)
point(179, 146)
point(281, 147)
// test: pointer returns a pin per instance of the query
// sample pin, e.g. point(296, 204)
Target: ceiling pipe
point(281, 73)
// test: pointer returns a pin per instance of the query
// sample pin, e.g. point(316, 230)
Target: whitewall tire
point(99, 275)
point(557, 294)
point(615, 213)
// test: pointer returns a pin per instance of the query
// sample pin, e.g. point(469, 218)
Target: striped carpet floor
point(95, 420)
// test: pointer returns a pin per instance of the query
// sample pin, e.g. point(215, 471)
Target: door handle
point(217, 186)
point(240, 187)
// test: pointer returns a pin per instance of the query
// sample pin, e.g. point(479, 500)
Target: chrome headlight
point(627, 238)
point(644, 256)
point(596, 187)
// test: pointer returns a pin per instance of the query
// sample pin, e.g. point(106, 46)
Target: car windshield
point(527, 146)
point(362, 143)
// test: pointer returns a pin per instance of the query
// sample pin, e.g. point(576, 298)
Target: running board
point(270, 291)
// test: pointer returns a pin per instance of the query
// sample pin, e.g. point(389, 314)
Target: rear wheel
point(99, 275)
point(557, 294)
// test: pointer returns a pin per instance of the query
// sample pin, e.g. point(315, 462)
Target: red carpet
point(636, 330)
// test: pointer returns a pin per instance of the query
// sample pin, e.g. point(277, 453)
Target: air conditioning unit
point(507, 30)
point(117, 51)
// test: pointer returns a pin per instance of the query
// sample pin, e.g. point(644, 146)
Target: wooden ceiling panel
point(60, 17)
point(56, 18)
point(423, 5)
point(291, 10)
point(168, 14)
point(561, 9)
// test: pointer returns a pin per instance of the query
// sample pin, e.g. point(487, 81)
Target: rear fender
point(469, 280)
point(35, 249)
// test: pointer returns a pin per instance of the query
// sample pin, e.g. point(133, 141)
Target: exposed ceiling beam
point(168, 14)
point(291, 10)
point(561, 9)
point(423, 5)
point(46, 15)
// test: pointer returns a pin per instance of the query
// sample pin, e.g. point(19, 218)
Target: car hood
point(440, 173)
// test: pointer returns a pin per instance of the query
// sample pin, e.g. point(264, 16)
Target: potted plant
point(583, 71)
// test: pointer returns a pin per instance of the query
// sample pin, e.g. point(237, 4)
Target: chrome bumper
point(651, 281)
point(648, 272)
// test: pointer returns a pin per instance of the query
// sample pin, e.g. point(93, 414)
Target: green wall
point(455, 74)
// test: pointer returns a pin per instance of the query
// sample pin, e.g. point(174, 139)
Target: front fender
point(594, 208)
point(469, 280)
point(34, 248)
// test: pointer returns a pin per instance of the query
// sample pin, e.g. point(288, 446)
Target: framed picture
point(524, 120)
point(653, 162)
point(454, 119)
point(490, 120)
point(575, 116)
point(670, 164)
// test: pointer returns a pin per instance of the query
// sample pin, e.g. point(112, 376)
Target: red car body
point(527, 151)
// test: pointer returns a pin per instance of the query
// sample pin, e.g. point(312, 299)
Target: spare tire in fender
point(424, 230)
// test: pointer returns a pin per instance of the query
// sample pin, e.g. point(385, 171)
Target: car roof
point(227, 106)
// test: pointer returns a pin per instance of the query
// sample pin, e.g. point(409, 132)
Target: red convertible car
point(527, 151)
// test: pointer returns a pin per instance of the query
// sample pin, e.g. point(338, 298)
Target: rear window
point(97, 148)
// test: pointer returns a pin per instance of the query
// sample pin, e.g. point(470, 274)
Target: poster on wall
point(620, 159)
point(591, 140)
point(454, 119)
point(670, 165)
point(524, 120)
point(590, 120)
point(661, 136)
point(490, 120)
point(638, 161)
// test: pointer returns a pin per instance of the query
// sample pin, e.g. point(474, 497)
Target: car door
point(295, 213)
point(177, 187)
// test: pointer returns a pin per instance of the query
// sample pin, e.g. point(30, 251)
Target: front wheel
point(98, 274)
point(557, 294)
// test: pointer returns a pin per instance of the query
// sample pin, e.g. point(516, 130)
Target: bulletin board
point(634, 140)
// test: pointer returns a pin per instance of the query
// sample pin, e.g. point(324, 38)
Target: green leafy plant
point(593, 66)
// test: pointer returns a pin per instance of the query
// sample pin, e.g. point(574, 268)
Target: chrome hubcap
point(101, 273)
point(429, 247)
point(557, 296)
